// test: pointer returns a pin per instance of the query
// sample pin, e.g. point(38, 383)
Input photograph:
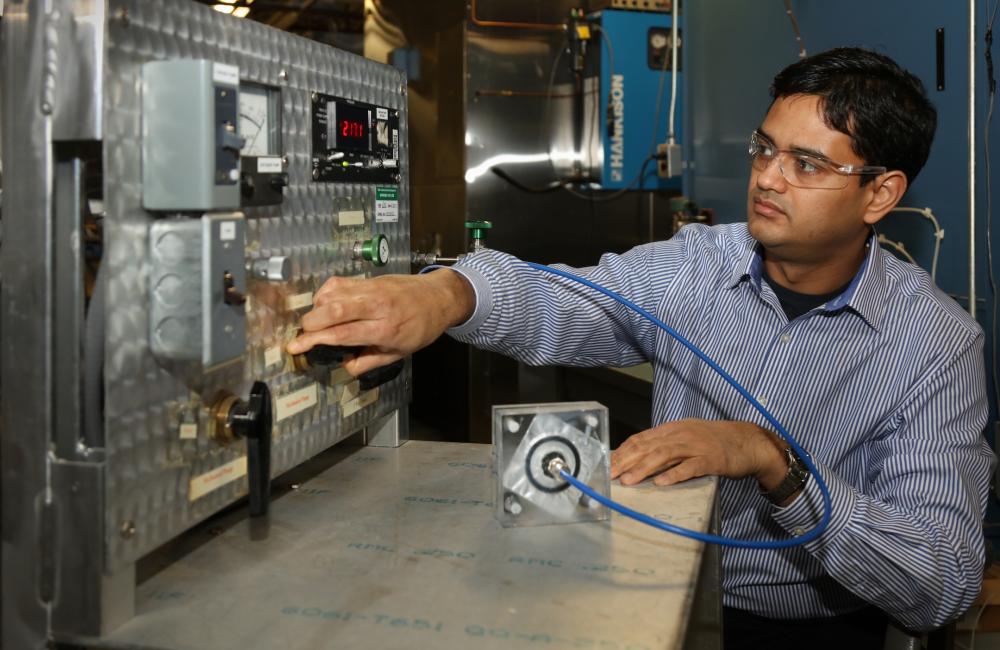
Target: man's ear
point(887, 190)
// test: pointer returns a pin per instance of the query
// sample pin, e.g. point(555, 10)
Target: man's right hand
point(390, 316)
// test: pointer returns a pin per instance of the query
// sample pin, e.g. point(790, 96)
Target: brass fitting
point(220, 413)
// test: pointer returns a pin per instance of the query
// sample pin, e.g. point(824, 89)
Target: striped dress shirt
point(884, 386)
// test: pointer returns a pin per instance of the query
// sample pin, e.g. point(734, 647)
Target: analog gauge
point(383, 252)
point(260, 124)
point(658, 41)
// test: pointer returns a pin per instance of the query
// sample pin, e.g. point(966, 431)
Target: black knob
point(325, 355)
point(278, 181)
point(252, 420)
point(379, 376)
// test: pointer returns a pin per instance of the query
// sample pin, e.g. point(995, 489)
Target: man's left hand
point(684, 449)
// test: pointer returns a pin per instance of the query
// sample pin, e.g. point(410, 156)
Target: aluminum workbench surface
point(369, 547)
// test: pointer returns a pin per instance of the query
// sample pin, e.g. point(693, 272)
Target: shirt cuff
point(484, 302)
point(806, 511)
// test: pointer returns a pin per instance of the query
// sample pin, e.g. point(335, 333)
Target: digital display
point(353, 141)
point(347, 127)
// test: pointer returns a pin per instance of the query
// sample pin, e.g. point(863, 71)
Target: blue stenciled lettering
point(534, 561)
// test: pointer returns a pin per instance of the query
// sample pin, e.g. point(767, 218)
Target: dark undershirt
point(794, 303)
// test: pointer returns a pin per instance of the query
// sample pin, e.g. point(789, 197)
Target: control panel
point(221, 171)
point(353, 141)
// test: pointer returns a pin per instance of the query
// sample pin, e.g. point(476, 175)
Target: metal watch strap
point(794, 479)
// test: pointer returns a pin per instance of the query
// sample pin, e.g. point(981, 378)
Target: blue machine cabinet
point(635, 53)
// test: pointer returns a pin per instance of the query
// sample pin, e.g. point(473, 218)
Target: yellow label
point(292, 403)
point(213, 480)
point(189, 431)
point(339, 375)
point(299, 301)
point(351, 217)
point(272, 356)
point(350, 406)
point(351, 390)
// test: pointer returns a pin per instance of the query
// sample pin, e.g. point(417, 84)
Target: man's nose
point(772, 177)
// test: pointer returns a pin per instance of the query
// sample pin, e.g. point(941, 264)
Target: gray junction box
point(190, 145)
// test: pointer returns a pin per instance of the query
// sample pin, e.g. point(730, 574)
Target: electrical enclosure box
point(193, 260)
point(190, 141)
point(526, 438)
point(630, 124)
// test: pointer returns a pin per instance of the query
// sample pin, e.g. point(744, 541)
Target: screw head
point(283, 75)
point(127, 529)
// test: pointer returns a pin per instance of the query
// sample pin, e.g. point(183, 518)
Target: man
point(876, 372)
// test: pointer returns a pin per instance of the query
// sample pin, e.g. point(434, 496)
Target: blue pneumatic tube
point(646, 519)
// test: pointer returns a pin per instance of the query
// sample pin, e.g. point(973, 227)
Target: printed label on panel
point(386, 204)
point(213, 480)
point(299, 301)
point(351, 217)
point(300, 400)
point(272, 356)
point(269, 165)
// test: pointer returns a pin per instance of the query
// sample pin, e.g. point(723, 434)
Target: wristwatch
point(796, 477)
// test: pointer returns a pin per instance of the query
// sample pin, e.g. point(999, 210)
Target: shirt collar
point(865, 295)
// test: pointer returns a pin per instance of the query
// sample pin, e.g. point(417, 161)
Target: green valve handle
point(376, 250)
point(477, 230)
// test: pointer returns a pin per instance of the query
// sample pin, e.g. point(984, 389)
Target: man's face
point(806, 225)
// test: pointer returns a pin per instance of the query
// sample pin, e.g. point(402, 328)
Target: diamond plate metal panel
point(149, 464)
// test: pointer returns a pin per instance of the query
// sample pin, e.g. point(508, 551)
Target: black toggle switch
point(231, 294)
point(379, 376)
point(252, 420)
point(247, 184)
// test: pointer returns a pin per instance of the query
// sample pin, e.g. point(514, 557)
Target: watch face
point(796, 477)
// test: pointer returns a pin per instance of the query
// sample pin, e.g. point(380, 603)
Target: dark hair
point(868, 96)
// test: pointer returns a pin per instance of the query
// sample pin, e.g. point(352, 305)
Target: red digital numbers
point(352, 129)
